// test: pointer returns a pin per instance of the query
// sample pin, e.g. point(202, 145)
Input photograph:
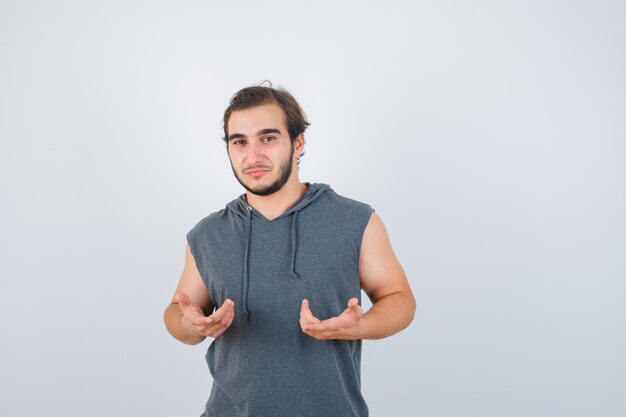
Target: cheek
point(234, 159)
point(235, 155)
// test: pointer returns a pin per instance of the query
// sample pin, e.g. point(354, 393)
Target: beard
point(283, 176)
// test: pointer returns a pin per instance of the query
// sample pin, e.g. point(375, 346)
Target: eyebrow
point(261, 132)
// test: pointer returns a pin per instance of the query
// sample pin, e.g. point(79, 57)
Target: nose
point(254, 154)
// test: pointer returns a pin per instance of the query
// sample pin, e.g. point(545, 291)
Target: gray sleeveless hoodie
point(264, 365)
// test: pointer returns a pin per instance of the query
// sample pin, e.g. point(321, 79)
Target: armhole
point(362, 227)
point(196, 256)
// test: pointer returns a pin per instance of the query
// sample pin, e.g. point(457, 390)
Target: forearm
point(387, 316)
point(173, 322)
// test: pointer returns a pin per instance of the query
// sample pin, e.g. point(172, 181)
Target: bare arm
point(385, 283)
point(186, 316)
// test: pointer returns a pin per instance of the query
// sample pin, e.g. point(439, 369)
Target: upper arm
point(380, 272)
point(191, 283)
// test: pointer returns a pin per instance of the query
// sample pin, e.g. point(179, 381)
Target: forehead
point(251, 120)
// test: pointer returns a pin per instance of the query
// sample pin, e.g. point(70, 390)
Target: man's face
point(260, 150)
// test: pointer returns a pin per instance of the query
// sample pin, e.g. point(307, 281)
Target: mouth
point(255, 173)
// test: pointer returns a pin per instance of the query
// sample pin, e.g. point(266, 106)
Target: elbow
point(411, 308)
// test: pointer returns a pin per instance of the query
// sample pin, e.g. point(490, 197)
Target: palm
point(343, 326)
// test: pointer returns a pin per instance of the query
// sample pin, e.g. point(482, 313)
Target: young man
point(275, 277)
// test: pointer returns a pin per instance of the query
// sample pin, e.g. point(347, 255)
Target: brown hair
point(259, 95)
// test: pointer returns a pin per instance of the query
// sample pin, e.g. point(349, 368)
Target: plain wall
point(489, 136)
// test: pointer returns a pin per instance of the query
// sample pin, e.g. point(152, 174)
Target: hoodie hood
point(245, 212)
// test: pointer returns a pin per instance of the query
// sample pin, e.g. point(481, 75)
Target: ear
point(299, 148)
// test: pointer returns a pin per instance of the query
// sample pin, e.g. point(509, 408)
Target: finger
point(212, 327)
point(304, 306)
point(228, 316)
point(219, 313)
point(217, 328)
point(193, 316)
point(306, 316)
point(328, 325)
point(219, 331)
point(320, 335)
point(317, 329)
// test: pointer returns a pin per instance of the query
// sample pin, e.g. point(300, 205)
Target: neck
point(273, 205)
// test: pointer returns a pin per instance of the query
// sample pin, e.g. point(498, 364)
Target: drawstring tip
point(294, 275)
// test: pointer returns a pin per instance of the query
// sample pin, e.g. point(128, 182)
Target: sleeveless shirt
point(263, 364)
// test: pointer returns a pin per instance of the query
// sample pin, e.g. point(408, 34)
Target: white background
point(489, 136)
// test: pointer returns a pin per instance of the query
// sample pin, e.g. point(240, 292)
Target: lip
point(257, 172)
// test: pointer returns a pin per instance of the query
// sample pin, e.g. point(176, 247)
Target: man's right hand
point(193, 317)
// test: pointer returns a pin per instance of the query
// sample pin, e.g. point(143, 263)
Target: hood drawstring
point(294, 242)
point(240, 205)
point(246, 277)
point(245, 264)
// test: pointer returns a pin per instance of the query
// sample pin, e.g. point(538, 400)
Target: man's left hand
point(345, 326)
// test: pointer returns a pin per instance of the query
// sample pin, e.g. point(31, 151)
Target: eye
point(268, 138)
point(238, 142)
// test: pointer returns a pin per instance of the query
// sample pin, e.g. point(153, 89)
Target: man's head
point(255, 96)
point(264, 130)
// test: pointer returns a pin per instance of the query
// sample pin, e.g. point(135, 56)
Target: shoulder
point(209, 220)
point(216, 220)
point(348, 210)
point(347, 203)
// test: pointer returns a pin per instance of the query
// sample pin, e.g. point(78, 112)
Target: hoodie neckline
point(313, 191)
point(262, 216)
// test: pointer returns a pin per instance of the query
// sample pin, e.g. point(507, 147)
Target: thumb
point(353, 302)
point(186, 304)
point(181, 298)
point(353, 305)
